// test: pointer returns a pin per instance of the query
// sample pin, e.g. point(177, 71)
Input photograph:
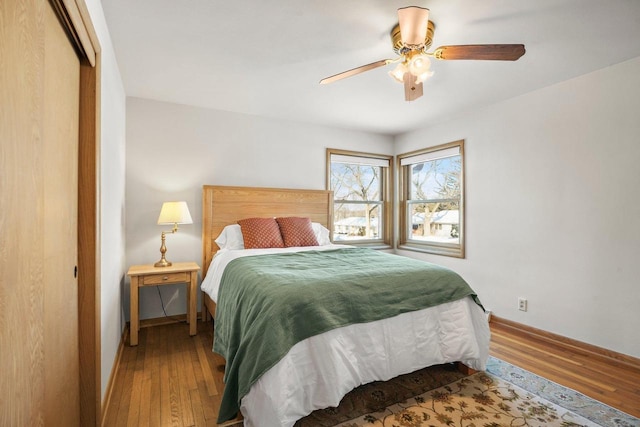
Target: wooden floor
point(612, 382)
point(171, 379)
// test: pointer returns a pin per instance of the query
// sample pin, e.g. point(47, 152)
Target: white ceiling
point(265, 58)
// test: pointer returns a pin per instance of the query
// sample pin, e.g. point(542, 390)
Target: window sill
point(434, 250)
point(370, 245)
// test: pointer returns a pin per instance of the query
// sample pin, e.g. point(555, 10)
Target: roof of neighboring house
point(356, 221)
point(440, 217)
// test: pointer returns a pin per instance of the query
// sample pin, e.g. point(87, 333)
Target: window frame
point(386, 192)
point(404, 201)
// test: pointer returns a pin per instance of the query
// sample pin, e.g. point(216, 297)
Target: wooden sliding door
point(47, 125)
point(60, 121)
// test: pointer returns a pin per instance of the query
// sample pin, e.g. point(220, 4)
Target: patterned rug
point(441, 396)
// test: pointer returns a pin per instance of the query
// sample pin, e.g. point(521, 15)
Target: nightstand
point(148, 275)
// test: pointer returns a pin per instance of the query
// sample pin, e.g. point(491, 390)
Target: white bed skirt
point(319, 371)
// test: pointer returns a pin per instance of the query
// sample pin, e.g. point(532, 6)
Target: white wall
point(172, 150)
point(112, 151)
point(552, 206)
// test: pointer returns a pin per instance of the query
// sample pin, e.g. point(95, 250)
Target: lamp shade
point(175, 213)
point(398, 72)
point(419, 64)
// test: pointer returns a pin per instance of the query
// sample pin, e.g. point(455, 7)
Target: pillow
point(230, 238)
point(297, 231)
point(322, 233)
point(261, 233)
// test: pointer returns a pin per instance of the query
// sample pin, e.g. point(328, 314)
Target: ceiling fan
point(411, 38)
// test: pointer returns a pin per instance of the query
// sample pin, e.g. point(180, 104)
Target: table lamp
point(172, 213)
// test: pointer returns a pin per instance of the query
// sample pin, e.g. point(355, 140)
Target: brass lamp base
point(163, 261)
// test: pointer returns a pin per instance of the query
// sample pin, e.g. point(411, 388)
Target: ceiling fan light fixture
point(416, 64)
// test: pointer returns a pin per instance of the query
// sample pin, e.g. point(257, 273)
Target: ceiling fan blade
point(355, 71)
point(497, 52)
point(412, 90)
point(413, 23)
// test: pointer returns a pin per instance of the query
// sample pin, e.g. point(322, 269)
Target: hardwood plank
point(155, 400)
point(176, 413)
point(136, 394)
point(139, 377)
point(206, 370)
point(146, 402)
point(209, 408)
point(189, 356)
point(181, 376)
point(196, 407)
point(165, 397)
point(122, 414)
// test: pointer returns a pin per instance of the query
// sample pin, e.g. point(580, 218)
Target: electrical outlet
point(522, 304)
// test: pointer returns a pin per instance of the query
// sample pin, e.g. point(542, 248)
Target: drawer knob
point(165, 278)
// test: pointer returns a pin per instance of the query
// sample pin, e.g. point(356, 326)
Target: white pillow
point(230, 238)
point(322, 233)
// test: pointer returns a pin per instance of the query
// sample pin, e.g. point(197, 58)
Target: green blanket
point(268, 303)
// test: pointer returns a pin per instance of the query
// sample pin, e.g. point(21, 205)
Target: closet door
point(39, 110)
point(60, 238)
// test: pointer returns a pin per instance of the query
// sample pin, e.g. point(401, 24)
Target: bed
point(324, 356)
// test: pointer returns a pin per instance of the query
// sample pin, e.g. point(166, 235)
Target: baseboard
point(114, 370)
point(565, 343)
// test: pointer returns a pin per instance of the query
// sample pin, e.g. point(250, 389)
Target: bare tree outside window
point(432, 190)
point(358, 187)
point(356, 201)
point(435, 195)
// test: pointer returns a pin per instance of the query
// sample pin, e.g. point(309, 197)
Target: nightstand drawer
point(158, 279)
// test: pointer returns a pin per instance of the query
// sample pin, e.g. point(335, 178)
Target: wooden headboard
point(222, 206)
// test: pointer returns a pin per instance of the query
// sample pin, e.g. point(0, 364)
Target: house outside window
point(432, 200)
point(361, 185)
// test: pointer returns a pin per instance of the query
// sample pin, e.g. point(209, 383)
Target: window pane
point(357, 221)
point(436, 179)
point(360, 185)
point(355, 182)
point(435, 222)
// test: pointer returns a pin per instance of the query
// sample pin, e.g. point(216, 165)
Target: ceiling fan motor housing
point(396, 39)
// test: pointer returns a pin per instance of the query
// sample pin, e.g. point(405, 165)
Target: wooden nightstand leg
point(133, 312)
point(203, 307)
point(193, 296)
point(188, 284)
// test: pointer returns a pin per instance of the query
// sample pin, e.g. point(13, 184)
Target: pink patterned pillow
point(297, 232)
point(261, 233)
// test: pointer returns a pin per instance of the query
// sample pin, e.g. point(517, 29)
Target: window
point(431, 200)
point(361, 185)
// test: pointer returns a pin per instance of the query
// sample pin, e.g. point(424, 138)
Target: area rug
point(441, 396)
